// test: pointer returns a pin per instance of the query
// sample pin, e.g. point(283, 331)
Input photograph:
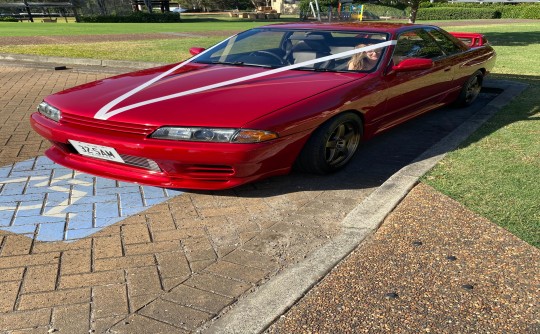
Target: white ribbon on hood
point(107, 112)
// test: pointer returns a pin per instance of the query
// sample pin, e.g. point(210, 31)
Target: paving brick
point(153, 247)
point(161, 221)
point(54, 298)
point(92, 279)
point(76, 261)
point(46, 247)
point(180, 234)
point(199, 299)
point(217, 284)
point(173, 264)
point(71, 319)
point(175, 314)
point(143, 281)
point(214, 212)
point(140, 324)
point(40, 278)
point(34, 330)
point(27, 319)
point(252, 259)
point(16, 245)
point(29, 260)
point(8, 293)
point(238, 272)
point(124, 262)
point(107, 246)
point(171, 282)
point(102, 325)
point(13, 274)
point(199, 266)
point(135, 233)
point(198, 249)
point(110, 301)
point(140, 301)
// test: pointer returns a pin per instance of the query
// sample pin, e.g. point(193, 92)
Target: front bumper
point(187, 165)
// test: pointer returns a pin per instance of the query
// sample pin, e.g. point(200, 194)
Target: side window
point(416, 44)
point(445, 42)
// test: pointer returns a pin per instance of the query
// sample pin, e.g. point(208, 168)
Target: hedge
point(138, 17)
point(521, 11)
point(8, 19)
point(381, 10)
point(507, 11)
point(456, 13)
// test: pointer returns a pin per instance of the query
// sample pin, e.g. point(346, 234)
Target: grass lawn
point(494, 173)
point(158, 50)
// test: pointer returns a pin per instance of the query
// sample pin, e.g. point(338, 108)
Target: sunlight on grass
point(39, 29)
point(517, 46)
point(495, 172)
point(160, 51)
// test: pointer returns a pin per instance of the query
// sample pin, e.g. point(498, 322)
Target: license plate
point(96, 151)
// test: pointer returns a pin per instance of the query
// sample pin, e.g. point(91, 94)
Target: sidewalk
point(432, 267)
point(233, 262)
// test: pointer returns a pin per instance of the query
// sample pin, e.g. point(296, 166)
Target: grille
point(105, 125)
point(209, 169)
point(141, 162)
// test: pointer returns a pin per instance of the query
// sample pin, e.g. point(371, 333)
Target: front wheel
point(332, 145)
point(471, 90)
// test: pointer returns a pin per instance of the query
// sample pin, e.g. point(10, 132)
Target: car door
point(413, 92)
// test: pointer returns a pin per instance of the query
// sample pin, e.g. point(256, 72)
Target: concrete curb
point(78, 61)
point(261, 308)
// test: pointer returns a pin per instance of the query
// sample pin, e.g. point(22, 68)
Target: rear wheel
point(332, 145)
point(470, 90)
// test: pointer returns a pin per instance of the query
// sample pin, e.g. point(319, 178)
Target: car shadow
point(378, 158)
point(513, 38)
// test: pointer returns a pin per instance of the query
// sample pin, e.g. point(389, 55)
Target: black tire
point(470, 90)
point(332, 145)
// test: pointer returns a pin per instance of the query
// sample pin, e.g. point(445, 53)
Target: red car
point(260, 103)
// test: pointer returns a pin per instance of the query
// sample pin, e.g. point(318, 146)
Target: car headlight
point(49, 111)
point(215, 135)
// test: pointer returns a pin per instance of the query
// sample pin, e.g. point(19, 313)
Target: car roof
point(352, 26)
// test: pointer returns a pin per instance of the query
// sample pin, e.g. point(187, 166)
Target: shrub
point(138, 17)
point(520, 11)
point(381, 10)
point(8, 19)
point(457, 13)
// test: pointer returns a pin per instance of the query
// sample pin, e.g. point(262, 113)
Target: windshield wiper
point(315, 69)
point(235, 63)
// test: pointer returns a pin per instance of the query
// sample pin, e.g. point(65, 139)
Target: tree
point(414, 4)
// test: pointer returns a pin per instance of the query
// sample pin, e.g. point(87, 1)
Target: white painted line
point(59, 204)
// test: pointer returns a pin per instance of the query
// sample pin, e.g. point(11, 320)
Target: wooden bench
point(52, 20)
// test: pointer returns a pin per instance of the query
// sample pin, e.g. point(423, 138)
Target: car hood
point(229, 106)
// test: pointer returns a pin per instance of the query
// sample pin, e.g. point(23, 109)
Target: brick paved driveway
point(80, 254)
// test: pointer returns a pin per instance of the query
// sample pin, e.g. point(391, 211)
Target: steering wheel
point(269, 53)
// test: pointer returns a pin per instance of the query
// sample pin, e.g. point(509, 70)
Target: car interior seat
point(309, 49)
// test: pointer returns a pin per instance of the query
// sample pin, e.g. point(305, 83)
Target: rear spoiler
point(471, 39)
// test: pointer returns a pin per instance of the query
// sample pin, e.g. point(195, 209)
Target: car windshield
point(272, 48)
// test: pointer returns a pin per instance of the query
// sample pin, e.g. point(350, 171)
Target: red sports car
point(261, 102)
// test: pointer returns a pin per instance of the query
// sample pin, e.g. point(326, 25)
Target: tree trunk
point(414, 10)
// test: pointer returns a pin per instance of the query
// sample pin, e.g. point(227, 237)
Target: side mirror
point(196, 51)
point(413, 64)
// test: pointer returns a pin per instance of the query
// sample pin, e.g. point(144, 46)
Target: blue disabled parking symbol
point(48, 202)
